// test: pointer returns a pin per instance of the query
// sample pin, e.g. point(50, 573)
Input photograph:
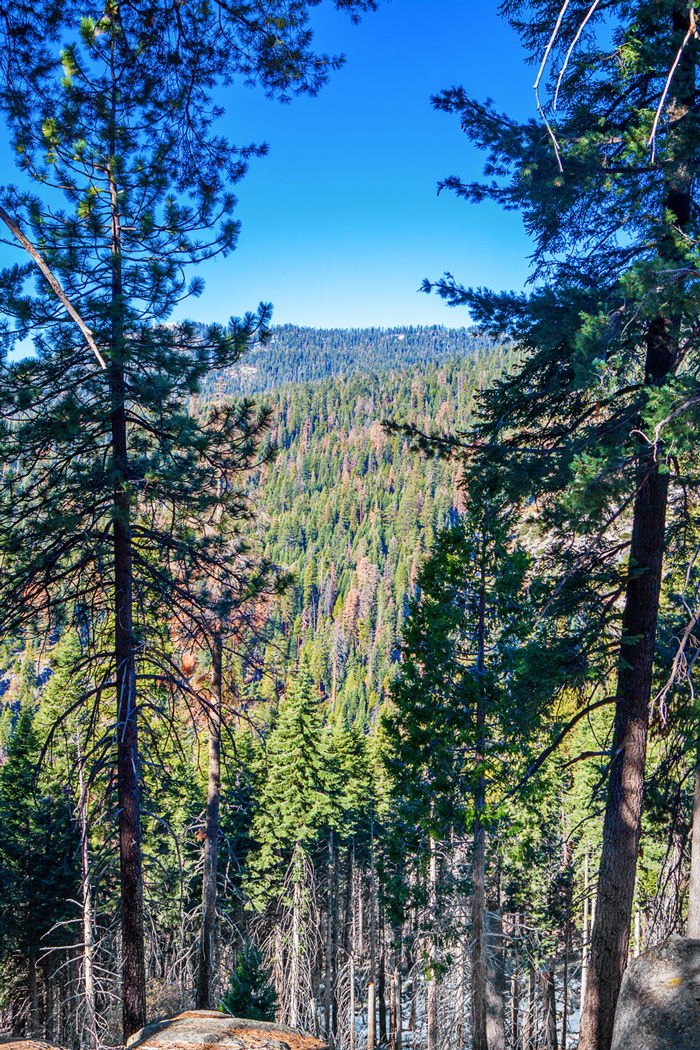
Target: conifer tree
point(443, 749)
point(37, 856)
point(597, 425)
point(112, 480)
point(295, 801)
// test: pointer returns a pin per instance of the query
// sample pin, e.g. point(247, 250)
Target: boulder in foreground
point(207, 1028)
point(659, 1004)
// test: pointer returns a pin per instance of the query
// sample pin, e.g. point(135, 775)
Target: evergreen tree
point(444, 750)
point(37, 858)
point(295, 801)
point(251, 994)
point(598, 424)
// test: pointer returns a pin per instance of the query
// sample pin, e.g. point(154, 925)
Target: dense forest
point(348, 677)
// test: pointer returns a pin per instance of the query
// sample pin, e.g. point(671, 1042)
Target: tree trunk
point(693, 926)
point(479, 1008)
point(329, 944)
point(495, 985)
point(397, 1009)
point(381, 981)
point(585, 947)
point(371, 1015)
point(529, 1025)
point(351, 1008)
point(622, 825)
point(432, 978)
point(133, 967)
point(371, 1002)
point(33, 996)
point(90, 1038)
point(206, 992)
point(549, 1009)
point(294, 965)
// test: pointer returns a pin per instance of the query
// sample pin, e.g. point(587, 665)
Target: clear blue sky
point(341, 221)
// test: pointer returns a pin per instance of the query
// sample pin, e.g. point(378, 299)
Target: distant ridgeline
point(307, 355)
point(348, 507)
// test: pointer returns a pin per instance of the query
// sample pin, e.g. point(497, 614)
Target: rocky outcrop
point(659, 1004)
point(12, 1042)
point(209, 1029)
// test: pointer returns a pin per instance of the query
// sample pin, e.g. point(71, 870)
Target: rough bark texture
point(496, 984)
point(133, 965)
point(206, 993)
point(693, 926)
point(432, 980)
point(479, 1012)
point(133, 969)
point(622, 825)
point(549, 1010)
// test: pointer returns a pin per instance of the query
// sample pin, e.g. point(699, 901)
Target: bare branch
point(692, 31)
point(53, 282)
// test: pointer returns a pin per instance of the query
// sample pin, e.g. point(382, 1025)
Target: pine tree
point(295, 802)
point(37, 857)
point(597, 425)
point(251, 994)
point(443, 751)
point(112, 479)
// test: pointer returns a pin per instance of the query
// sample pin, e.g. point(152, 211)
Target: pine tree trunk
point(515, 1004)
point(530, 1020)
point(693, 925)
point(381, 982)
point(206, 993)
point(622, 824)
point(432, 979)
point(90, 1038)
point(371, 1002)
point(294, 965)
point(131, 896)
point(329, 944)
point(495, 986)
point(479, 1008)
point(549, 1010)
point(586, 934)
point(33, 995)
point(565, 988)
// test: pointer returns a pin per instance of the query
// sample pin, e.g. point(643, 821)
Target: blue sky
point(341, 221)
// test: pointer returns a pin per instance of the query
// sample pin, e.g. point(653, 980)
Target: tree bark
point(206, 994)
point(549, 1009)
point(133, 967)
point(329, 945)
point(90, 1039)
point(693, 925)
point(622, 824)
point(479, 1012)
point(381, 981)
point(33, 995)
point(496, 984)
point(432, 979)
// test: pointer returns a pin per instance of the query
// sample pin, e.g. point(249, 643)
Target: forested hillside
point(303, 355)
point(349, 677)
point(352, 512)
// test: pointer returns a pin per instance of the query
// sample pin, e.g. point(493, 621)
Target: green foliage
point(296, 799)
point(251, 994)
point(37, 849)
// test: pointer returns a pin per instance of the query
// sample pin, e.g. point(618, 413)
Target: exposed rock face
point(12, 1042)
point(659, 1004)
point(209, 1029)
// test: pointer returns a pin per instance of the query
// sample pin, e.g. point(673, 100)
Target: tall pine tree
point(597, 425)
